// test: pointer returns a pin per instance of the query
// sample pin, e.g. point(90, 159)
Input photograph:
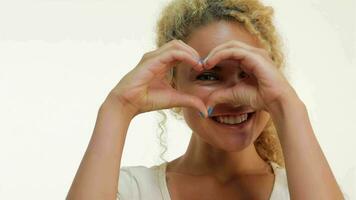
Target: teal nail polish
point(201, 114)
point(201, 61)
point(210, 110)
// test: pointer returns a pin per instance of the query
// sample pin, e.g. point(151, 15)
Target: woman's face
point(225, 74)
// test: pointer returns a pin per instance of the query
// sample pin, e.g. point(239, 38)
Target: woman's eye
point(207, 77)
point(243, 75)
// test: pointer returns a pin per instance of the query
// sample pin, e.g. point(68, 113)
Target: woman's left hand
point(269, 85)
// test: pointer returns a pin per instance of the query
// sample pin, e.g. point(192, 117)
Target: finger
point(251, 63)
point(179, 99)
point(220, 96)
point(173, 44)
point(171, 56)
point(240, 44)
point(191, 49)
point(188, 48)
point(261, 51)
point(238, 95)
point(180, 45)
point(161, 64)
point(173, 39)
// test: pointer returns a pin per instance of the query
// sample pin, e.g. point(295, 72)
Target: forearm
point(309, 174)
point(98, 173)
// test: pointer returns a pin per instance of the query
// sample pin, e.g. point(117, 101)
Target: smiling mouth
point(233, 120)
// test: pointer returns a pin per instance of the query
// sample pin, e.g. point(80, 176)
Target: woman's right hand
point(146, 87)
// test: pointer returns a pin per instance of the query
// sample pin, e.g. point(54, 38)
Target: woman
point(218, 64)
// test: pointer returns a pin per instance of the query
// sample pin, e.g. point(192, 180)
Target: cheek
point(197, 124)
point(191, 116)
point(203, 94)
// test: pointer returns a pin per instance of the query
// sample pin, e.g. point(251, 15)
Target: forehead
point(205, 38)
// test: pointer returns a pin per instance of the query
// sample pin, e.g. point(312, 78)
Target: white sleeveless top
point(143, 183)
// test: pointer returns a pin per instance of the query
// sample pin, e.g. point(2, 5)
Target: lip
point(232, 113)
point(225, 109)
point(241, 126)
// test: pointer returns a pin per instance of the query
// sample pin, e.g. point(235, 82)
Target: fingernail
point(205, 59)
point(210, 110)
point(201, 114)
point(201, 61)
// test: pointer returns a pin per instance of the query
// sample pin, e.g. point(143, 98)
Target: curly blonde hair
point(181, 17)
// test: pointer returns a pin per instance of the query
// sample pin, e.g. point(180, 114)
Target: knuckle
point(176, 43)
point(147, 55)
point(264, 52)
point(176, 52)
point(235, 43)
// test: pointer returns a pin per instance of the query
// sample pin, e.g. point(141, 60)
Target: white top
point(143, 183)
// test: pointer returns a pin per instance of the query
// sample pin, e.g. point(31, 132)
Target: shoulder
point(280, 190)
point(136, 182)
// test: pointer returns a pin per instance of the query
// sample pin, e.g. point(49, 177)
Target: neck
point(203, 159)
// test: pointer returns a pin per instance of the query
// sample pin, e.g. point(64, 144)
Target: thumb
point(179, 99)
point(237, 95)
point(220, 96)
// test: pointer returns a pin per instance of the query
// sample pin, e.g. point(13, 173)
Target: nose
point(236, 77)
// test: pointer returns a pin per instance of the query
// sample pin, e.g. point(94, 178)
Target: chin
point(234, 143)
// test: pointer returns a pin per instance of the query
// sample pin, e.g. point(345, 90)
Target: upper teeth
point(232, 119)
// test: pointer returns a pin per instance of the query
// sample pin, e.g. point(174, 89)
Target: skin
point(218, 164)
point(224, 158)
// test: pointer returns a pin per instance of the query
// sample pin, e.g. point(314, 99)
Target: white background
point(60, 58)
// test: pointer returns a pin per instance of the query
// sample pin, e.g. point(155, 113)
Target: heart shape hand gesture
point(146, 87)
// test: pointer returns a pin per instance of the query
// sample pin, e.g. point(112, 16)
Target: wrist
point(288, 102)
point(114, 103)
